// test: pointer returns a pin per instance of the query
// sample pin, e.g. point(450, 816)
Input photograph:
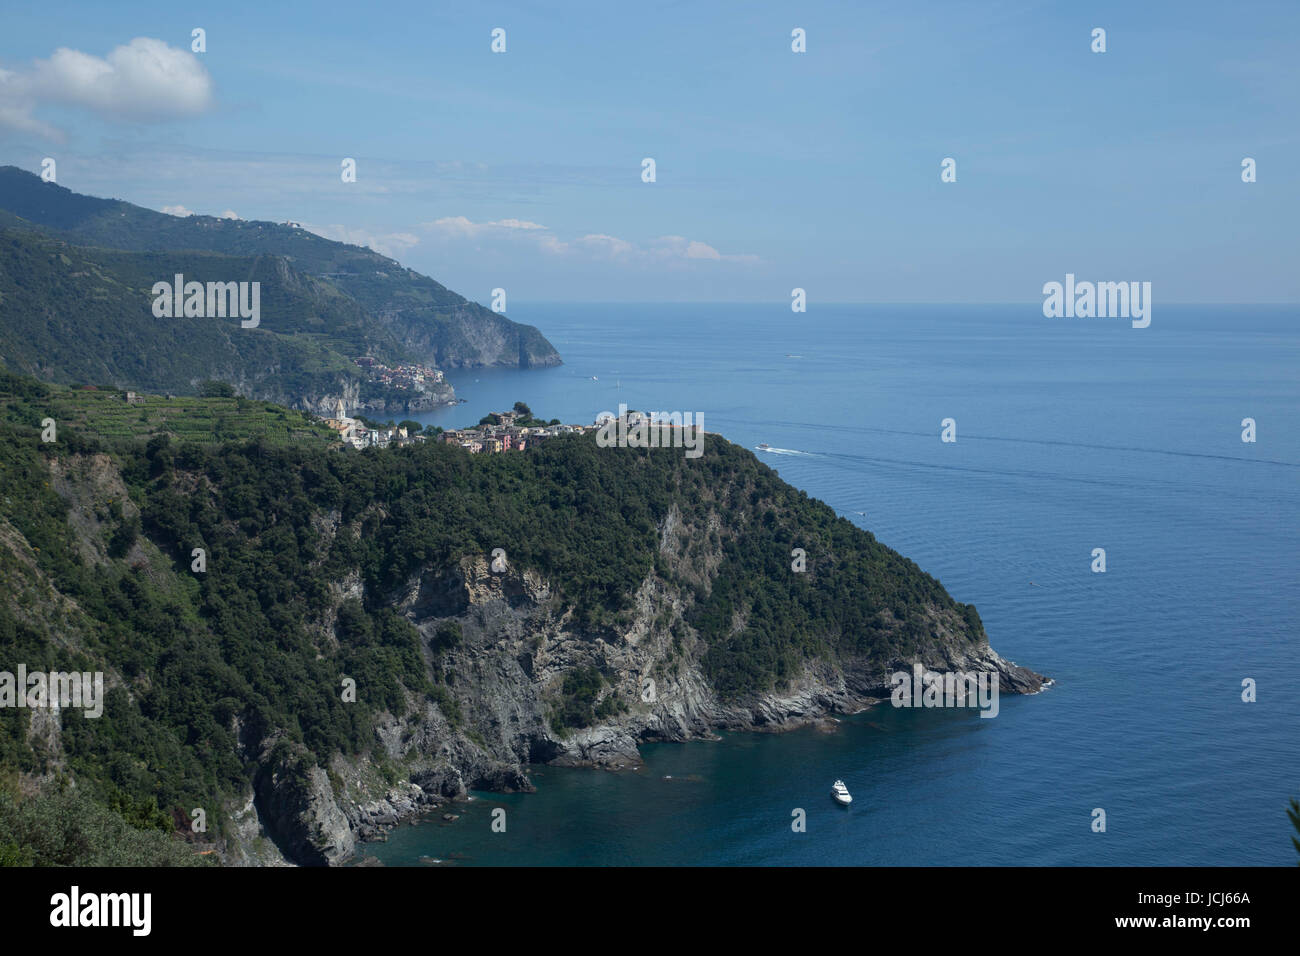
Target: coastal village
point(357, 434)
point(410, 377)
point(503, 432)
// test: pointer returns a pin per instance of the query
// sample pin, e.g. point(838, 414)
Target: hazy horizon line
point(781, 302)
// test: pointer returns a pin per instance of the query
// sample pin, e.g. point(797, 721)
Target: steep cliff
point(375, 633)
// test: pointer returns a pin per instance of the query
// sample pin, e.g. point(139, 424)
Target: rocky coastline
point(518, 643)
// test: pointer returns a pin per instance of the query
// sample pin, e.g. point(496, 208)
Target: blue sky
point(522, 170)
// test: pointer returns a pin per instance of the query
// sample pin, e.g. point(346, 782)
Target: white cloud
point(460, 226)
point(663, 249)
point(604, 246)
point(16, 108)
point(516, 235)
point(142, 80)
point(600, 246)
point(182, 211)
point(391, 244)
point(679, 247)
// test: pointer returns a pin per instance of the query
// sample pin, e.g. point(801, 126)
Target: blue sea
point(1072, 434)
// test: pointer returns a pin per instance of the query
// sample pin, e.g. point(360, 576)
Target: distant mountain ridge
point(70, 259)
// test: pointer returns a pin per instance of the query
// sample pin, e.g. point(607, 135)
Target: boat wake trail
point(863, 429)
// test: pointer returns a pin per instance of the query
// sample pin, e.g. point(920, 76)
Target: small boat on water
point(764, 445)
point(841, 793)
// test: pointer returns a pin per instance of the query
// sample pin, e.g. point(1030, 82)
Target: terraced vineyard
point(107, 414)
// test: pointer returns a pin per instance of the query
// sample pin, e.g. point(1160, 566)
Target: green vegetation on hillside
point(71, 829)
point(213, 663)
point(71, 314)
point(75, 302)
point(107, 414)
point(577, 706)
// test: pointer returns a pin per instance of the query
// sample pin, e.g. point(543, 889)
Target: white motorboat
point(841, 793)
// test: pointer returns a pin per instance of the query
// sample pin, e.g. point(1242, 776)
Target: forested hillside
point(404, 311)
point(73, 314)
point(324, 564)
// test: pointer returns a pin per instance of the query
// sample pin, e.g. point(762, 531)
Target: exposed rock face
point(326, 405)
point(370, 820)
point(298, 808)
point(470, 336)
point(435, 396)
point(249, 844)
point(348, 390)
point(517, 646)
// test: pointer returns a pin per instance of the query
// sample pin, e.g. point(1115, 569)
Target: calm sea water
point(1072, 435)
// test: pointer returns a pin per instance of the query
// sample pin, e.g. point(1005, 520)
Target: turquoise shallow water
point(1071, 435)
